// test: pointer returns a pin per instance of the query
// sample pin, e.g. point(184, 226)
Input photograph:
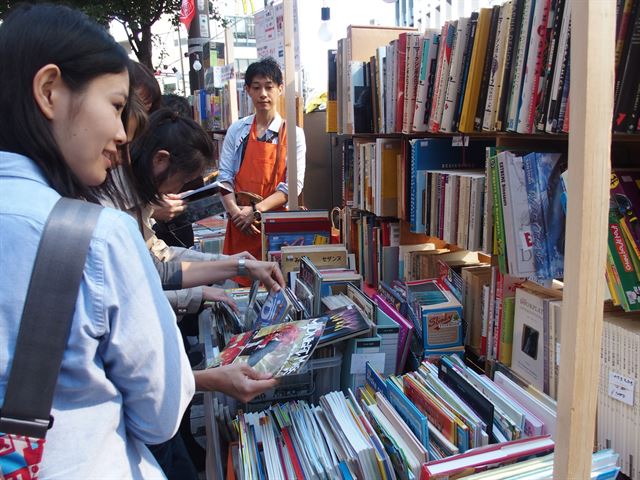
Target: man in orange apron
point(253, 160)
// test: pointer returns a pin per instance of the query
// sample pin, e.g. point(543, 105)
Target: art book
point(280, 350)
point(343, 323)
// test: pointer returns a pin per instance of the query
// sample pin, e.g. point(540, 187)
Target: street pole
point(199, 45)
point(184, 87)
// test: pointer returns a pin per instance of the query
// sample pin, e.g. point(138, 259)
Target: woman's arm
point(206, 273)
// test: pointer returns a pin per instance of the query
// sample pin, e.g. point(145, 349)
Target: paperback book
point(201, 203)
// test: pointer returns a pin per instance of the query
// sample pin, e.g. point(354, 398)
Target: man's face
point(264, 94)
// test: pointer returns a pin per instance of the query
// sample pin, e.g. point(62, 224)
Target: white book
point(519, 65)
point(476, 206)
point(414, 54)
point(528, 337)
point(505, 157)
point(455, 72)
point(442, 76)
point(534, 62)
point(463, 211)
point(520, 256)
point(497, 70)
point(546, 415)
point(392, 86)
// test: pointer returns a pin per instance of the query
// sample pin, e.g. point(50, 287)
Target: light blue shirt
point(231, 155)
point(125, 379)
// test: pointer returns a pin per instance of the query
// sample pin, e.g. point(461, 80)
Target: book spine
point(497, 67)
point(561, 59)
point(553, 31)
point(487, 69)
point(519, 66)
point(509, 71)
point(466, 63)
point(507, 212)
point(413, 186)
point(421, 93)
point(472, 90)
point(534, 65)
point(440, 94)
point(401, 74)
point(453, 88)
point(497, 215)
point(437, 80)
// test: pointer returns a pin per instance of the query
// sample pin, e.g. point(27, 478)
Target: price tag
point(460, 141)
point(621, 388)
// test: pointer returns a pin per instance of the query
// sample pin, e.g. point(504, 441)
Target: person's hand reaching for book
point(238, 380)
point(172, 207)
point(267, 272)
point(215, 294)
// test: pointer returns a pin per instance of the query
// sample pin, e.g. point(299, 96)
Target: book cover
point(201, 203)
point(279, 350)
point(343, 323)
point(275, 309)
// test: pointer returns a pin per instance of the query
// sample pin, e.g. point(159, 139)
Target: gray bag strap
point(46, 317)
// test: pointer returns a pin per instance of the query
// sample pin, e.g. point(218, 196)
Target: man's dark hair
point(267, 67)
point(31, 37)
point(177, 104)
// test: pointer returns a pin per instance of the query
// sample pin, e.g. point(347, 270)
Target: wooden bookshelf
point(590, 144)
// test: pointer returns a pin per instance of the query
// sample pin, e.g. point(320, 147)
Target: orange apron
point(258, 174)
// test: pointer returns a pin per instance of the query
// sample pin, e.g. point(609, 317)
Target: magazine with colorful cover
point(343, 323)
point(275, 309)
point(279, 350)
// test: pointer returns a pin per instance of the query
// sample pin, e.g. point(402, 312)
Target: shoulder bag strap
point(46, 317)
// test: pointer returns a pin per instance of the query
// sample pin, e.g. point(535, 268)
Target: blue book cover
point(344, 471)
point(540, 256)
point(414, 418)
point(550, 168)
point(375, 381)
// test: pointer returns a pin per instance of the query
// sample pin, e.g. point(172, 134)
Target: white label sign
point(621, 388)
point(359, 362)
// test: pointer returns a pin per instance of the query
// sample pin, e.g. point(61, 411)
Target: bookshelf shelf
point(616, 138)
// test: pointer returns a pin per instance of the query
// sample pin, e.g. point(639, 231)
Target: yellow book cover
point(386, 200)
point(332, 116)
point(472, 92)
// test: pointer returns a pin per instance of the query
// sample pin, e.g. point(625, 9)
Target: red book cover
point(435, 416)
point(292, 453)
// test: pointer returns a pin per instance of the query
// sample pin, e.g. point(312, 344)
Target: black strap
point(46, 317)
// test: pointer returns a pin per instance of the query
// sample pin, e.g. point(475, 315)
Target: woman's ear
point(160, 162)
point(47, 85)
